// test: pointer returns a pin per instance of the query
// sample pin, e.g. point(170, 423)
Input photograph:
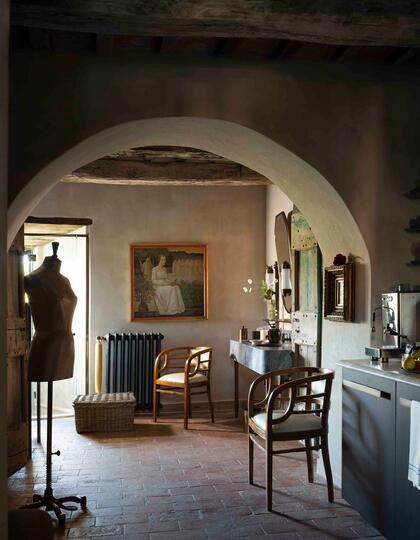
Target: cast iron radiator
point(129, 365)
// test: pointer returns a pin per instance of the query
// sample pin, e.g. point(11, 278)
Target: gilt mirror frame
point(339, 289)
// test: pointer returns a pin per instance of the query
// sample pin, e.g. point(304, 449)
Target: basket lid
point(104, 399)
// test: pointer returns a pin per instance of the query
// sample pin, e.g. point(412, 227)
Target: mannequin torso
point(52, 302)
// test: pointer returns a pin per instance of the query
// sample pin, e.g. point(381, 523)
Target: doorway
point(73, 238)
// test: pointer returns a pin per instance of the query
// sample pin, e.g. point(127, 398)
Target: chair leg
point(269, 474)
point(189, 405)
point(250, 459)
point(327, 466)
point(210, 402)
point(309, 461)
point(186, 406)
point(155, 403)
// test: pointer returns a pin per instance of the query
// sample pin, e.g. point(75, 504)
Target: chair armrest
point(255, 384)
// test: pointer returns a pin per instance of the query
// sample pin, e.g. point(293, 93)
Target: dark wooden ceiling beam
point(404, 55)
point(39, 38)
point(104, 44)
point(360, 22)
point(122, 172)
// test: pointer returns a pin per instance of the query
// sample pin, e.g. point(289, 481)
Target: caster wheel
point(62, 520)
point(83, 503)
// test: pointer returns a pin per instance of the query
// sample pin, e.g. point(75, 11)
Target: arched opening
point(327, 213)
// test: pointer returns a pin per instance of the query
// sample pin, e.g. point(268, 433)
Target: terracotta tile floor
point(160, 482)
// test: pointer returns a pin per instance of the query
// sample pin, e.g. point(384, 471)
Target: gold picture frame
point(339, 289)
point(169, 281)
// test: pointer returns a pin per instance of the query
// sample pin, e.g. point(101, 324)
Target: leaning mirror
point(282, 238)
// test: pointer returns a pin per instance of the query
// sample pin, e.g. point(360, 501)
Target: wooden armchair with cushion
point(181, 371)
point(307, 393)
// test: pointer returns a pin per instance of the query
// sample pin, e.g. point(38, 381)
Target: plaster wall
point(217, 216)
point(4, 114)
point(356, 126)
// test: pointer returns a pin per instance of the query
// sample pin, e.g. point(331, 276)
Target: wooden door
point(17, 362)
point(307, 292)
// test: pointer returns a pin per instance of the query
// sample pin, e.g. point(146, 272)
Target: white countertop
point(389, 370)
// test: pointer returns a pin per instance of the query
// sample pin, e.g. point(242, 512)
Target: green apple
point(409, 363)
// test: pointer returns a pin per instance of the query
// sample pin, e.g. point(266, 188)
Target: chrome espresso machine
point(395, 325)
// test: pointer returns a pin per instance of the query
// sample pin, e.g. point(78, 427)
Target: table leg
point(236, 378)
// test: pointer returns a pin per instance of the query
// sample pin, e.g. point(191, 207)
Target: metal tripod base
point(52, 504)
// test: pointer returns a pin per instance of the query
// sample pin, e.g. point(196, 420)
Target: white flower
point(245, 289)
point(250, 281)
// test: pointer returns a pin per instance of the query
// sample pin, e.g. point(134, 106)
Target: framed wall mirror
point(339, 292)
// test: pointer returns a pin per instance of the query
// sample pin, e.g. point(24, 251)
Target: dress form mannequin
point(52, 302)
point(51, 356)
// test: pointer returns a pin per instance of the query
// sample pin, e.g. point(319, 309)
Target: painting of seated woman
point(169, 281)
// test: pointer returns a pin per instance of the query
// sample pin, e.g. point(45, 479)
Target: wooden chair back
point(309, 386)
point(191, 359)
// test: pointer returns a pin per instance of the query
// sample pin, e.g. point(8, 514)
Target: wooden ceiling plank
point(104, 44)
point(153, 173)
point(171, 153)
point(361, 22)
point(40, 39)
point(76, 222)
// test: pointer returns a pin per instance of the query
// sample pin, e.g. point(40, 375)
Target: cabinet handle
point(367, 390)
point(405, 402)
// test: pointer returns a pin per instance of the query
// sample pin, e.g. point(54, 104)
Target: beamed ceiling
point(353, 31)
point(385, 31)
point(161, 165)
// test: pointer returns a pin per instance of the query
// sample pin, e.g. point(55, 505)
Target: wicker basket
point(104, 412)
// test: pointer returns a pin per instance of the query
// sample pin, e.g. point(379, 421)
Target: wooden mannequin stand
point(48, 500)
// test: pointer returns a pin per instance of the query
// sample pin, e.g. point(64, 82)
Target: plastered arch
point(330, 219)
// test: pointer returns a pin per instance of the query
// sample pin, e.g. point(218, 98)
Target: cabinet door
point(408, 497)
point(369, 447)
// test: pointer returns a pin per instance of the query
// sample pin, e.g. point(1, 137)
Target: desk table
point(259, 358)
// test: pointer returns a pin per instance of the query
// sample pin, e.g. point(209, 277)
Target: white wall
point(219, 217)
point(4, 113)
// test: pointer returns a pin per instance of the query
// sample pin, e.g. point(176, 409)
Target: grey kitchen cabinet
point(407, 510)
point(368, 445)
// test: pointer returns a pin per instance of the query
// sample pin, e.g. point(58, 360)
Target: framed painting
point(169, 281)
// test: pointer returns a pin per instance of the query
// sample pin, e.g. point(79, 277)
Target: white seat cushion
point(178, 378)
point(295, 423)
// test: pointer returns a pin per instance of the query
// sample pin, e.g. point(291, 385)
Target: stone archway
point(325, 210)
